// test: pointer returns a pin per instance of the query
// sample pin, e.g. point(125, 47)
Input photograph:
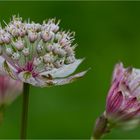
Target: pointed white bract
point(38, 54)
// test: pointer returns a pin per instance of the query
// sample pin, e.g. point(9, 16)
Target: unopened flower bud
point(19, 45)
point(22, 32)
point(48, 58)
point(63, 41)
point(26, 51)
point(58, 36)
point(60, 52)
point(32, 36)
point(9, 51)
point(37, 27)
point(15, 56)
point(33, 27)
point(46, 36)
point(59, 63)
point(37, 61)
point(49, 66)
point(14, 32)
point(56, 47)
point(54, 27)
point(50, 47)
point(122, 103)
point(6, 38)
point(39, 48)
point(70, 59)
point(69, 50)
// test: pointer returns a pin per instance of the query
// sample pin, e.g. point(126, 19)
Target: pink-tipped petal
point(118, 71)
point(115, 103)
point(123, 102)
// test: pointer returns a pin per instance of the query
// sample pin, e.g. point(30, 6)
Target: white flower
point(37, 54)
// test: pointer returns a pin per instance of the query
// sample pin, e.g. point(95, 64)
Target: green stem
point(101, 127)
point(1, 117)
point(25, 103)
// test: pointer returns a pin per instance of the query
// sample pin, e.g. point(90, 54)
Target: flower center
point(29, 67)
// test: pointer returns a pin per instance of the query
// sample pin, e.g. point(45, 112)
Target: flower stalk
point(25, 104)
point(2, 111)
point(102, 127)
point(37, 54)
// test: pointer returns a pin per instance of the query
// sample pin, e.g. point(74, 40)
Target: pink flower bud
point(46, 36)
point(32, 36)
point(123, 99)
point(19, 44)
point(6, 39)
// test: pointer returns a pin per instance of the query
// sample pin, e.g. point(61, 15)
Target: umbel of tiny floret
point(38, 54)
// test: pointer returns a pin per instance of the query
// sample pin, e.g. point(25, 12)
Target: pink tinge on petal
point(131, 115)
point(114, 104)
point(129, 110)
point(131, 102)
point(134, 85)
point(112, 91)
point(118, 72)
point(9, 89)
point(122, 100)
point(128, 105)
point(29, 66)
point(117, 79)
point(136, 92)
point(4, 81)
point(34, 74)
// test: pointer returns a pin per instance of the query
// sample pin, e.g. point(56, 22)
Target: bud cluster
point(38, 54)
point(43, 43)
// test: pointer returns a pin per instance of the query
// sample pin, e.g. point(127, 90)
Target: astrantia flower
point(38, 54)
point(123, 101)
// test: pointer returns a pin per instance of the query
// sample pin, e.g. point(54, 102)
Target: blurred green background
point(107, 32)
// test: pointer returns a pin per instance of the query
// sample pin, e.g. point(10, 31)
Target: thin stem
point(26, 88)
point(101, 127)
point(1, 117)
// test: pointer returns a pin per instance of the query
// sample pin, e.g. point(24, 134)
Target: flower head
point(38, 54)
point(123, 101)
point(9, 89)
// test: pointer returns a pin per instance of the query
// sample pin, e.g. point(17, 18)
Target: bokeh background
point(107, 32)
